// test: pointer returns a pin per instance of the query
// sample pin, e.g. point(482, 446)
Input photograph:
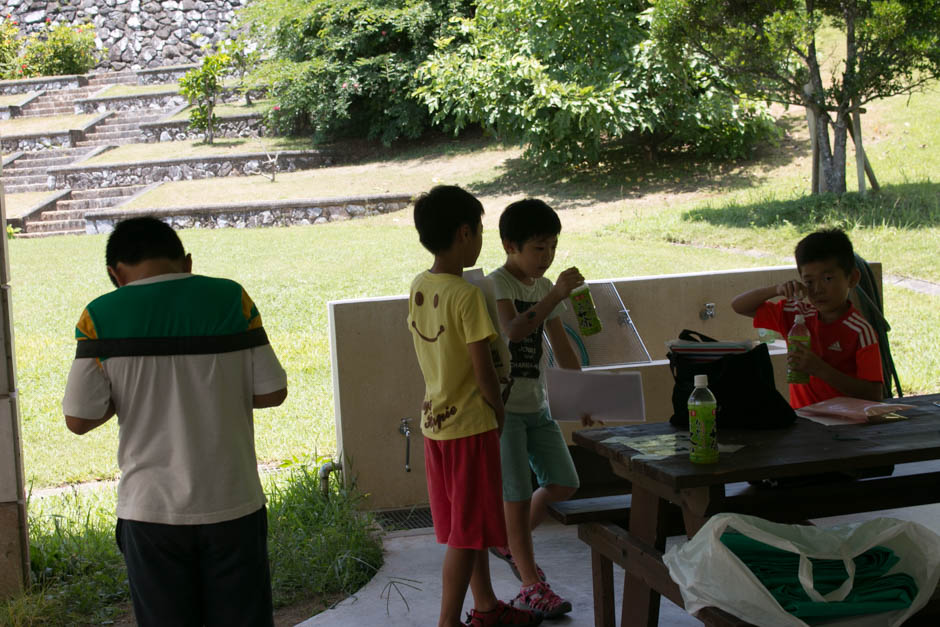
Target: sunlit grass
point(51, 124)
point(318, 547)
point(18, 204)
point(160, 151)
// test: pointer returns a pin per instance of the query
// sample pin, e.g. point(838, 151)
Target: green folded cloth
point(872, 592)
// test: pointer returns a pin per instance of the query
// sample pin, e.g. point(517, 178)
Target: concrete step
point(106, 192)
point(62, 214)
point(19, 189)
point(107, 142)
point(24, 179)
point(97, 135)
point(89, 204)
point(38, 234)
point(137, 116)
point(113, 78)
point(12, 171)
point(55, 225)
point(107, 127)
point(46, 112)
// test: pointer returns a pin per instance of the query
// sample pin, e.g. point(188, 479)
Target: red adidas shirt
point(849, 344)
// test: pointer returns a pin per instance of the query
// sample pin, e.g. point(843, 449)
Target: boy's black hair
point(528, 218)
point(138, 239)
point(825, 245)
point(441, 212)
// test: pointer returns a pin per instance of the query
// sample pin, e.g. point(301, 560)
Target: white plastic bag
point(709, 574)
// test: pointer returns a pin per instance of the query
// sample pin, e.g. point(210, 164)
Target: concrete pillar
point(14, 541)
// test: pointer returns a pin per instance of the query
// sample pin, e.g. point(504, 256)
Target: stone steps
point(107, 126)
point(12, 172)
point(77, 213)
point(47, 111)
point(68, 218)
point(109, 138)
point(105, 192)
point(19, 189)
point(24, 179)
point(115, 78)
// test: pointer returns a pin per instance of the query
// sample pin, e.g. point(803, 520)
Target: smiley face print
point(419, 301)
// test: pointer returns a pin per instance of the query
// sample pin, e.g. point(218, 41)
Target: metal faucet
point(405, 430)
point(708, 311)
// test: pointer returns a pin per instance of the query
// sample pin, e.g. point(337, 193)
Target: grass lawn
point(405, 174)
point(7, 100)
point(52, 124)
point(196, 148)
point(631, 219)
point(18, 204)
point(114, 91)
point(230, 109)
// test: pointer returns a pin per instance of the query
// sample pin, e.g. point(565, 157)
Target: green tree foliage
point(570, 78)
point(767, 49)
point(201, 87)
point(61, 49)
point(346, 67)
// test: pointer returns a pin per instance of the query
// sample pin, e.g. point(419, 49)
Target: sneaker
point(506, 556)
point(503, 614)
point(540, 597)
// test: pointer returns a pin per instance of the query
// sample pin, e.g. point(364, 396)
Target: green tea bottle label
point(584, 311)
point(703, 428)
point(798, 335)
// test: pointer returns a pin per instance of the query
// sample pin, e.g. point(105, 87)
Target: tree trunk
point(840, 131)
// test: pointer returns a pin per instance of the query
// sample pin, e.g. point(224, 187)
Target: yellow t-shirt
point(445, 313)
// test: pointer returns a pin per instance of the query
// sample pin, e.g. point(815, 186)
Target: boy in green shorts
point(527, 302)
point(462, 412)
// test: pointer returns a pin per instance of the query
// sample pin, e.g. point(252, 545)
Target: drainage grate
point(409, 518)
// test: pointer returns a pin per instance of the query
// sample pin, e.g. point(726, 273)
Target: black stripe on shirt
point(153, 346)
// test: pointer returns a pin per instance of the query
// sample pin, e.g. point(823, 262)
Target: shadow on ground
point(627, 173)
point(906, 206)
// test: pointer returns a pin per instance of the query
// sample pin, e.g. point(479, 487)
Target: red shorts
point(465, 487)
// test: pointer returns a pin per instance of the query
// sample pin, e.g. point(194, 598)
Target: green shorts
point(534, 440)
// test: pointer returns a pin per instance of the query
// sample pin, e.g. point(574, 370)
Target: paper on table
point(615, 396)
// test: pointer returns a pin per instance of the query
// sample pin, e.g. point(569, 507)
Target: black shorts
point(194, 575)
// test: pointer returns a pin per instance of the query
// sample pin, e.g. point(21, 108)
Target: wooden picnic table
point(672, 496)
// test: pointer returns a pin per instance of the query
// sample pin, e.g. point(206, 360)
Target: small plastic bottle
point(798, 334)
point(703, 432)
point(584, 310)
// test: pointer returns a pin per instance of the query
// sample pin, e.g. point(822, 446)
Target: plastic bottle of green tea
point(798, 334)
point(703, 432)
point(584, 310)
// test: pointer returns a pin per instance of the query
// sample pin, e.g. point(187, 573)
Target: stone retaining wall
point(24, 85)
point(143, 102)
point(178, 130)
point(36, 141)
point(137, 33)
point(260, 214)
point(119, 174)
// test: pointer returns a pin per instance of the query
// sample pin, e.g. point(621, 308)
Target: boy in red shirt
point(844, 359)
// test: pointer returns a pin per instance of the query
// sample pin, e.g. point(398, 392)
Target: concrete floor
point(407, 591)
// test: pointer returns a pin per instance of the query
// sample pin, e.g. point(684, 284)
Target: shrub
point(346, 67)
point(571, 78)
point(61, 49)
point(201, 86)
point(9, 46)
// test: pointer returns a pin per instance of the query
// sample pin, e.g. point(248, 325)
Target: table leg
point(602, 573)
point(647, 523)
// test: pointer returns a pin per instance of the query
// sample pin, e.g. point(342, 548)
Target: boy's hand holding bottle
point(567, 281)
